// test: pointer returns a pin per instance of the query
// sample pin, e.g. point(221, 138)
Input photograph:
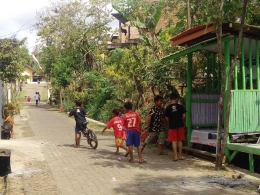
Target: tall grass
point(44, 94)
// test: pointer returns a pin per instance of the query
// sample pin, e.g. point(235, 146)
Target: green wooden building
point(201, 104)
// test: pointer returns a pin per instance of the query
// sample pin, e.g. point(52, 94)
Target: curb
point(98, 122)
point(2, 185)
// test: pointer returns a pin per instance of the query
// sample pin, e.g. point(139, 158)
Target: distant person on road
point(117, 124)
point(36, 97)
point(155, 124)
point(39, 96)
point(132, 122)
point(175, 115)
point(79, 114)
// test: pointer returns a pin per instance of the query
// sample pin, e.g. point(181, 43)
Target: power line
point(18, 31)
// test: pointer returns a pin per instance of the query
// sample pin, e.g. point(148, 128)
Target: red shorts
point(176, 134)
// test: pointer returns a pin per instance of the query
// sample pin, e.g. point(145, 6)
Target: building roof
point(120, 17)
point(201, 33)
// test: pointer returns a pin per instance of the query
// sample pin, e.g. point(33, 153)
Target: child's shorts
point(133, 138)
point(177, 134)
point(123, 134)
point(118, 141)
point(78, 129)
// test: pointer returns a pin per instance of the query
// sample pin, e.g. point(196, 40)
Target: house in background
point(128, 34)
point(28, 73)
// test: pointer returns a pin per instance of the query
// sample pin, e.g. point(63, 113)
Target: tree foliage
point(13, 58)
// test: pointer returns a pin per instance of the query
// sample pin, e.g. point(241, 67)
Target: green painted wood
point(182, 53)
point(188, 99)
point(245, 112)
point(250, 64)
point(193, 49)
point(244, 147)
point(251, 163)
point(232, 156)
point(208, 73)
point(235, 70)
point(257, 65)
point(214, 73)
point(243, 74)
point(227, 66)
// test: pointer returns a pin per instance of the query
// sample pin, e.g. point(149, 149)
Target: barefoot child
point(117, 124)
point(132, 122)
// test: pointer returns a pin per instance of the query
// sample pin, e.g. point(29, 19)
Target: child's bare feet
point(131, 161)
point(142, 161)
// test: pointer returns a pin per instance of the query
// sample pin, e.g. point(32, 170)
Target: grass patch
point(22, 95)
point(44, 94)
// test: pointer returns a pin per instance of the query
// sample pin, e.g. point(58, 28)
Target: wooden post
point(208, 73)
point(243, 64)
point(227, 61)
point(251, 163)
point(257, 64)
point(250, 64)
point(235, 70)
point(188, 99)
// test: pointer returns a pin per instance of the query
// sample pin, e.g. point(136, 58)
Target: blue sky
point(19, 16)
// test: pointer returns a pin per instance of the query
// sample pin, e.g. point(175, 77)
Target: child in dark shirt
point(175, 114)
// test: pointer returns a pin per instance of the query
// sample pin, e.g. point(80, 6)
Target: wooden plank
point(249, 148)
point(199, 151)
point(193, 36)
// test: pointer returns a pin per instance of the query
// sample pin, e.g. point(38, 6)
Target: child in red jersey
point(132, 122)
point(121, 115)
point(117, 123)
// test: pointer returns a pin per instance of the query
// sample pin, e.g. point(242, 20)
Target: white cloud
point(20, 15)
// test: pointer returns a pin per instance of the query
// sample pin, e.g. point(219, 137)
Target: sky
point(17, 17)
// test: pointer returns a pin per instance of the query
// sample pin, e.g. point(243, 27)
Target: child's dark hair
point(128, 106)
point(121, 109)
point(115, 112)
point(157, 98)
point(78, 103)
point(174, 96)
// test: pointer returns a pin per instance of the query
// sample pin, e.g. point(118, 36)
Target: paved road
point(45, 162)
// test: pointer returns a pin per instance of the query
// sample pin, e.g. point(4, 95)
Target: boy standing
point(175, 114)
point(79, 114)
point(155, 124)
point(117, 123)
point(132, 122)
